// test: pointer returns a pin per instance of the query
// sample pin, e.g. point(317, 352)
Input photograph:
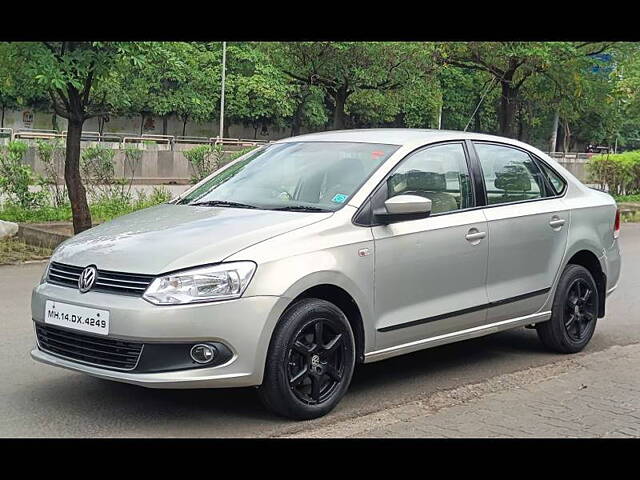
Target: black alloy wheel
point(574, 312)
point(316, 360)
point(581, 310)
point(310, 360)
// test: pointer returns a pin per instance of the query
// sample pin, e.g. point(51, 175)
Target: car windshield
point(300, 176)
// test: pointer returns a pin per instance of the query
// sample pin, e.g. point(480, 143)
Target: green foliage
point(174, 78)
point(619, 173)
point(109, 208)
point(98, 170)
point(16, 177)
point(18, 88)
point(304, 84)
point(204, 159)
point(635, 198)
point(347, 69)
point(257, 92)
point(51, 154)
point(102, 210)
point(462, 90)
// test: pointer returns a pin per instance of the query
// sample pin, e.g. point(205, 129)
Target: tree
point(344, 68)
point(468, 98)
point(511, 64)
point(415, 105)
point(17, 87)
point(176, 78)
point(69, 73)
point(257, 92)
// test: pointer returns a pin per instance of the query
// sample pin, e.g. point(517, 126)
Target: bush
point(619, 173)
point(101, 211)
point(204, 159)
point(52, 153)
point(15, 176)
point(98, 170)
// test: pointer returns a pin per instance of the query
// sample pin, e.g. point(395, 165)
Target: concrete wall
point(158, 164)
point(29, 118)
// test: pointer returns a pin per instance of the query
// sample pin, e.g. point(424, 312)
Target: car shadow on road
point(466, 360)
point(170, 410)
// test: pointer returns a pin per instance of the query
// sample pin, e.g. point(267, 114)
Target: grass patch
point(628, 198)
point(631, 217)
point(13, 250)
point(101, 211)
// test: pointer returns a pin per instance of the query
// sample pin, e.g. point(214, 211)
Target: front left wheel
point(310, 361)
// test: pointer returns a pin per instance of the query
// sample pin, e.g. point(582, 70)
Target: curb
point(40, 234)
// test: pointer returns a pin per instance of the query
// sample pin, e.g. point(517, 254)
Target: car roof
point(396, 136)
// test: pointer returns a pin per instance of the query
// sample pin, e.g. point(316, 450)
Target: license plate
point(79, 318)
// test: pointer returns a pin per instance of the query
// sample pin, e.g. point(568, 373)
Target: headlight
point(206, 284)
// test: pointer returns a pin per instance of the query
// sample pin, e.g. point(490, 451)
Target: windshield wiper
point(221, 203)
point(301, 208)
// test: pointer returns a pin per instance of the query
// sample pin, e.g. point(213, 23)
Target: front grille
point(104, 352)
point(106, 281)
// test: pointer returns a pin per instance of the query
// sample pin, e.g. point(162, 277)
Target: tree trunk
point(75, 188)
point(296, 121)
point(554, 132)
point(566, 140)
point(225, 130)
point(54, 121)
point(164, 124)
point(340, 99)
point(507, 113)
point(184, 126)
point(2, 121)
point(520, 122)
point(141, 123)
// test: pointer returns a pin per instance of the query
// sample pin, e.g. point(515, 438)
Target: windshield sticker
point(339, 198)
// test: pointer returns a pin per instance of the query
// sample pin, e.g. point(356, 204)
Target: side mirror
point(403, 207)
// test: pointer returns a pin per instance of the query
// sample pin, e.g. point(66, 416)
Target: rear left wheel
point(310, 361)
point(574, 312)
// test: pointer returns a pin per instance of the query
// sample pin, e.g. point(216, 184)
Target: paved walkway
point(586, 395)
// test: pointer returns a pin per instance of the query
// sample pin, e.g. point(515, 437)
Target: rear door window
point(510, 175)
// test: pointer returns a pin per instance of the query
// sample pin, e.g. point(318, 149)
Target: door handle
point(475, 236)
point(556, 222)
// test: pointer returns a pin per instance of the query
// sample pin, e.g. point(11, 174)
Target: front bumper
point(244, 325)
point(197, 378)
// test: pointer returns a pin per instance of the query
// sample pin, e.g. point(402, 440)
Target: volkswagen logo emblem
point(87, 279)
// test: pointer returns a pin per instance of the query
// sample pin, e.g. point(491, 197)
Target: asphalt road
point(38, 400)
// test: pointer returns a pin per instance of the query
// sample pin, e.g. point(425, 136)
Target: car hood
point(170, 237)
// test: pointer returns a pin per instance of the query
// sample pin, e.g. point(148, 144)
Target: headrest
point(513, 178)
point(417, 180)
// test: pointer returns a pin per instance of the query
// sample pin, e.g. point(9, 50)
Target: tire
point(304, 378)
point(574, 312)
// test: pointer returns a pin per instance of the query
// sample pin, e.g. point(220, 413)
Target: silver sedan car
point(295, 262)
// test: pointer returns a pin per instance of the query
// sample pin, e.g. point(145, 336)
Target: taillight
point(616, 224)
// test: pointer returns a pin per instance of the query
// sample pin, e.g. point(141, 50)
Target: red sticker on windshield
point(377, 154)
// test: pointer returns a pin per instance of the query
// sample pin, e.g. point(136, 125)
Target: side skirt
point(455, 336)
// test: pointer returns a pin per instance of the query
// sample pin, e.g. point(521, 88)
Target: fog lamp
point(202, 353)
